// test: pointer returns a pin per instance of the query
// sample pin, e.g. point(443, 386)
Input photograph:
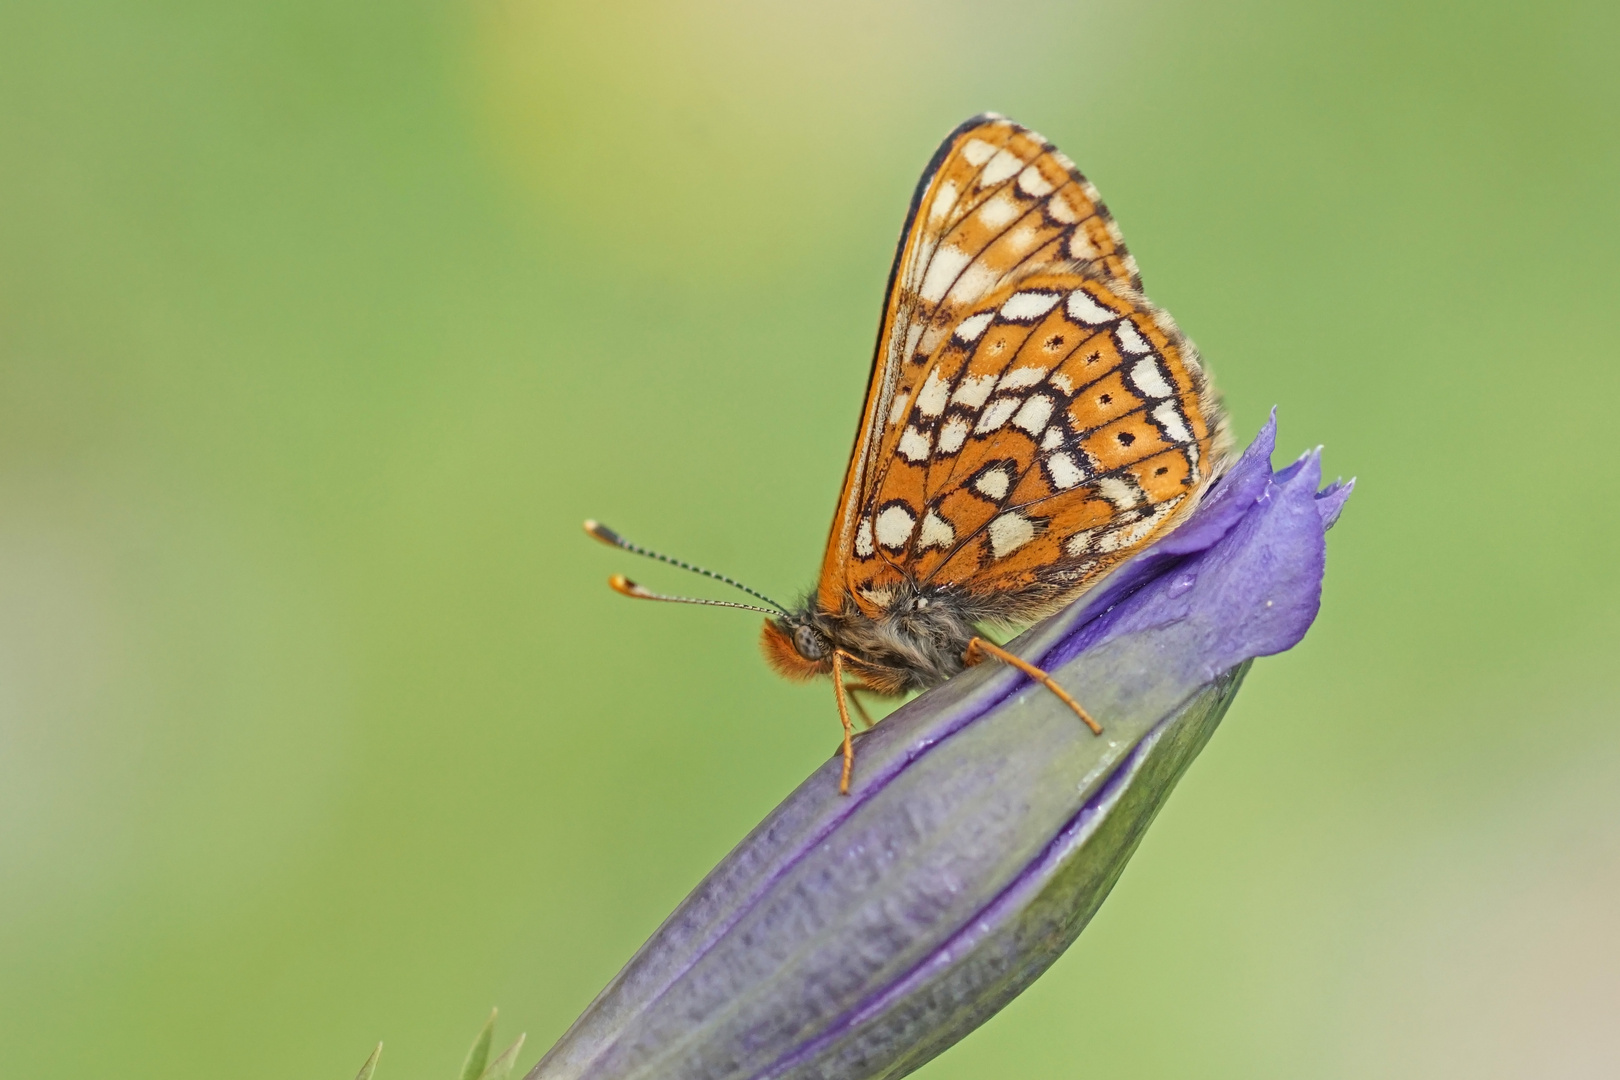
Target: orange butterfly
point(1031, 421)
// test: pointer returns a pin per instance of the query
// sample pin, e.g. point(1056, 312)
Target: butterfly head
point(796, 647)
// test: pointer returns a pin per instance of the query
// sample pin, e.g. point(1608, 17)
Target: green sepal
point(501, 1067)
point(370, 1067)
point(473, 1067)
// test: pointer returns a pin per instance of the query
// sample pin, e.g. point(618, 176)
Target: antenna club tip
point(625, 587)
point(598, 531)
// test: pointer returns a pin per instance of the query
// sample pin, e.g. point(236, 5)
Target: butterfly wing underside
point(1031, 419)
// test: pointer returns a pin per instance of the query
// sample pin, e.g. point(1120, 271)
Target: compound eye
point(811, 645)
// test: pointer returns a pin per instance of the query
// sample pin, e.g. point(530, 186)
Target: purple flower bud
point(858, 937)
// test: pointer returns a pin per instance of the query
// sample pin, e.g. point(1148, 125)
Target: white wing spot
point(999, 168)
point(1062, 213)
point(1028, 306)
point(1064, 472)
point(993, 484)
point(936, 532)
point(1000, 210)
point(996, 415)
point(975, 281)
point(1008, 533)
point(914, 446)
point(977, 151)
point(1053, 438)
point(1129, 340)
point(897, 411)
point(974, 389)
point(1033, 184)
point(935, 393)
point(952, 435)
point(1118, 492)
point(947, 263)
point(1149, 378)
point(878, 597)
point(1033, 416)
point(1169, 418)
point(1018, 378)
point(1021, 240)
point(894, 527)
point(927, 244)
point(1111, 541)
point(863, 539)
point(913, 335)
point(1083, 309)
point(1081, 247)
point(1061, 381)
point(1127, 535)
point(944, 201)
point(969, 329)
point(1081, 543)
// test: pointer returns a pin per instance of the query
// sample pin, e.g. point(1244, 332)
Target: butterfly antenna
point(626, 587)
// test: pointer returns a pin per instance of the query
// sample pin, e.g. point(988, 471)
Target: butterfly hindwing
point(1045, 442)
point(998, 203)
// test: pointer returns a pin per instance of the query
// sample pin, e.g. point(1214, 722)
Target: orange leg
point(840, 691)
point(853, 690)
point(979, 648)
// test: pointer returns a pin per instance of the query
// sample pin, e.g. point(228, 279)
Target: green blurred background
point(322, 325)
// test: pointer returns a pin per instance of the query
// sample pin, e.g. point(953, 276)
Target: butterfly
point(1031, 421)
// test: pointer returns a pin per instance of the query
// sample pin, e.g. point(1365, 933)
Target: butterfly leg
point(979, 648)
point(854, 689)
point(840, 692)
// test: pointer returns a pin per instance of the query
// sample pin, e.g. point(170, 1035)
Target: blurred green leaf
point(501, 1067)
point(370, 1067)
point(473, 1067)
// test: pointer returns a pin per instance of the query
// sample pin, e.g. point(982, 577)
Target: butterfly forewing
point(1031, 418)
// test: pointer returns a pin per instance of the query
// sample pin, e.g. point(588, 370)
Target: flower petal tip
point(1330, 501)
